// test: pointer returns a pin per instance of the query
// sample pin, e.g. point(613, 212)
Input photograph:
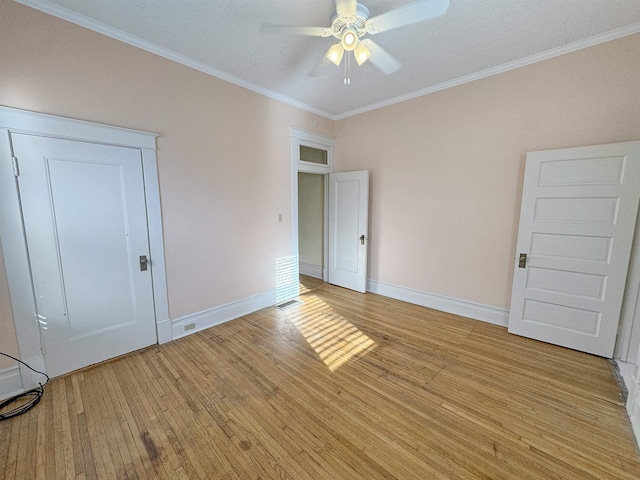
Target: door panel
point(348, 222)
point(87, 274)
point(85, 221)
point(577, 220)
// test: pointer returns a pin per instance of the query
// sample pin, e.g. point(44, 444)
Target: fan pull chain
point(347, 80)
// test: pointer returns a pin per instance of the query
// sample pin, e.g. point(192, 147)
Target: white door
point(348, 229)
point(576, 229)
point(85, 221)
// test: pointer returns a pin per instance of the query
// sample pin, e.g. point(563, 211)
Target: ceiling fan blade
point(407, 15)
point(382, 59)
point(346, 7)
point(319, 68)
point(294, 30)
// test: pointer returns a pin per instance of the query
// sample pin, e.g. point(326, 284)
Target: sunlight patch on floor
point(308, 284)
point(334, 339)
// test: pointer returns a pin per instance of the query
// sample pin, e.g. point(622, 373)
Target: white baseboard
point(485, 313)
point(10, 382)
point(163, 328)
point(633, 404)
point(31, 379)
point(633, 399)
point(633, 409)
point(311, 270)
point(223, 313)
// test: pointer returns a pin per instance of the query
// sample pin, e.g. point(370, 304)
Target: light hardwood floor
point(307, 284)
point(345, 386)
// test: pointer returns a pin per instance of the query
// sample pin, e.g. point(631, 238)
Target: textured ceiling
point(475, 38)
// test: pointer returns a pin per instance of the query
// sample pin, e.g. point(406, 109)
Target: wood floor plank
point(40, 445)
point(49, 431)
point(129, 434)
point(5, 432)
point(13, 434)
point(343, 386)
point(154, 427)
point(95, 416)
point(64, 453)
point(23, 468)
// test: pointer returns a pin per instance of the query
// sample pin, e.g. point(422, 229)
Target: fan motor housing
point(357, 22)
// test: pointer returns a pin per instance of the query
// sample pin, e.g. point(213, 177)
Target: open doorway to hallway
point(311, 229)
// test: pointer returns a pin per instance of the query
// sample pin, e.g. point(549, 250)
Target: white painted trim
point(295, 153)
point(109, 31)
point(91, 24)
point(323, 141)
point(314, 140)
point(626, 372)
point(633, 409)
point(632, 391)
point(633, 400)
point(156, 245)
point(464, 308)
point(325, 246)
point(635, 426)
point(627, 343)
point(505, 67)
point(16, 260)
point(163, 328)
point(12, 230)
point(221, 314)
point(304, 137)
point(10, 382)
point(30, 378)
point(33, 123)
point(311, 270)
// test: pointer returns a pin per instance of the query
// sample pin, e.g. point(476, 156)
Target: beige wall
point(311, 218)
point(223, 151)
point(447, 168)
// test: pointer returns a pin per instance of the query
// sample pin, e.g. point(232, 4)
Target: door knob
point(143, 263)
point(361, 239)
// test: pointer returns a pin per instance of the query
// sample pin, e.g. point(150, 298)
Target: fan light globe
point(335, 53)
point(361, 53)
point(350, 23)
point(349, 39)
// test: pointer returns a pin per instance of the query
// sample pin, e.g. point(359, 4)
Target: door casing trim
point(13, 240)
point(322, 142)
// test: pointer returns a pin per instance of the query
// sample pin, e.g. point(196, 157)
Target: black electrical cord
point(32, 396)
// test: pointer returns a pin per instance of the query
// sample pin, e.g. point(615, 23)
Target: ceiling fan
point(350, 23)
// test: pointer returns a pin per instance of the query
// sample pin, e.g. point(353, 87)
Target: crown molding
point(91, 24)
point(84, 21)
point(505, 67)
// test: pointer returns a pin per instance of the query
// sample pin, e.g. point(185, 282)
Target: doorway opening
point(312, 162)
point(312, 225)
point(345, 216)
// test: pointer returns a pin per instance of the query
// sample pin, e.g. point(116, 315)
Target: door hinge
point(16, 170)
point(42, 346)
